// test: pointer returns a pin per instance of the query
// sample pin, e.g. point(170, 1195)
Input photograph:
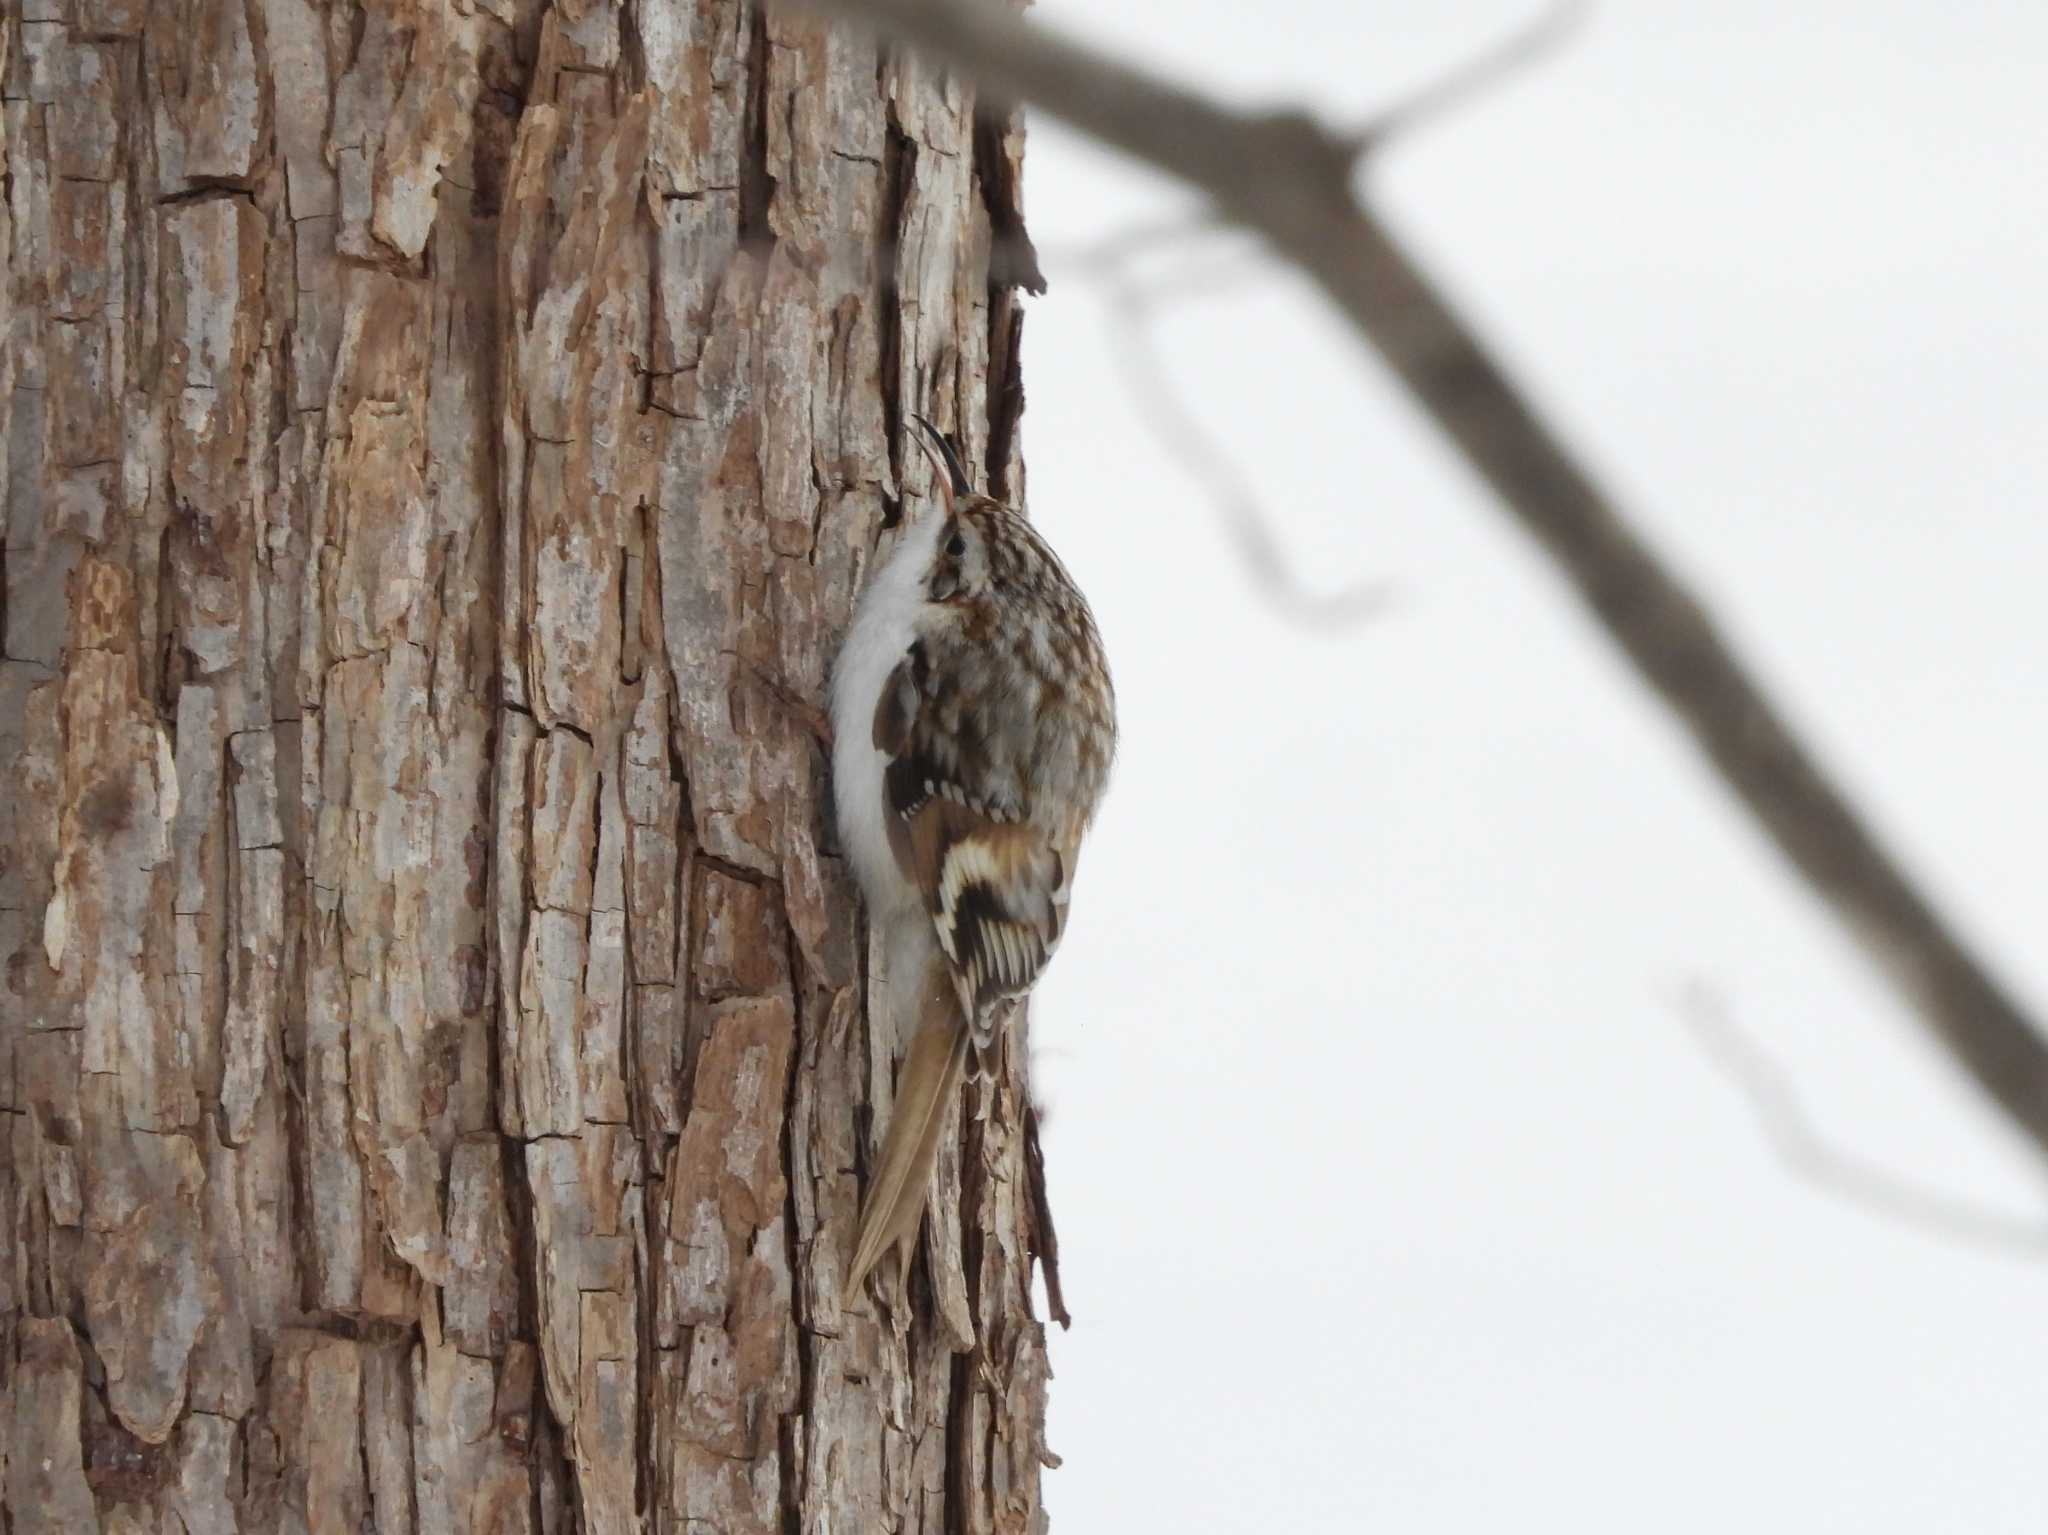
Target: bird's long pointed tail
point(925, 1090)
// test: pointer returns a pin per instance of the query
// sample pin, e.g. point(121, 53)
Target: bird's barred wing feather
point(996, 894)
point(995, 886)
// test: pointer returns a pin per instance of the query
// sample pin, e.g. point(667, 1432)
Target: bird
point(974, 727)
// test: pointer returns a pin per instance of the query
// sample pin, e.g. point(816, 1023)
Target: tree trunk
point(443, 447)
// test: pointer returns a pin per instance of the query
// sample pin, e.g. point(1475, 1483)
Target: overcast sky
point(1393, 1193)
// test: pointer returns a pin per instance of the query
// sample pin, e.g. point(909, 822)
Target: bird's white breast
point(884, 624)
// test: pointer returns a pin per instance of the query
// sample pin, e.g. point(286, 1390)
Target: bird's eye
point(956, 546)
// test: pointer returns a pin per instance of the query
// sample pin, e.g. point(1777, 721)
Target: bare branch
point(1159, 404)
point(1132, 306)
point(1542, 34)
point(1114, 252)
point(1783, 1119)
point(1244, 521)
point(1291, 179)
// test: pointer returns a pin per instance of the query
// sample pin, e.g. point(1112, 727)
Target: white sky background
point(1392, 1193)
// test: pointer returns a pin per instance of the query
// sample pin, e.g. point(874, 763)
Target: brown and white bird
point(973, 727)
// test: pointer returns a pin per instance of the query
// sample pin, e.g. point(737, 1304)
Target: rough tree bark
point(443, 446)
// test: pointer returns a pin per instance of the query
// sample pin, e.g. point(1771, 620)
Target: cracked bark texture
point(443, 443)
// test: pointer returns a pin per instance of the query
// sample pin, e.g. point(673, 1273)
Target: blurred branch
point(1133, 304)
point(1168, 418)
point(1160, 406)
point(1117, 250)
point(1291, 179)
point(1547, 30)
point(1790, 1133)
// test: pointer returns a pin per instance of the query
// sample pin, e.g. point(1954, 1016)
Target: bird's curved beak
point(953, 480)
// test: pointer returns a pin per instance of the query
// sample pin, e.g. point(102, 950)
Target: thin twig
point(1132, 307)
point(1790, 1133)
point(1173, 424)
point(1458, 86)
point(1115, 251)
point(1541, 35)
point(1291, 179)
point(1190, 447)
point(1196, 280)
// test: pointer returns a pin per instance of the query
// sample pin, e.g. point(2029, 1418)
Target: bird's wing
point(996, 891)
point(994, 884)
